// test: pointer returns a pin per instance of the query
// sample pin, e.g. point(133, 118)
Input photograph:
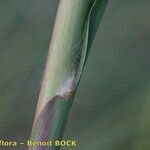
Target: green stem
point(67, 33)
point(71, 39)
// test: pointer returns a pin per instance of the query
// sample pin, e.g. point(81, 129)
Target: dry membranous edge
point(67, 87)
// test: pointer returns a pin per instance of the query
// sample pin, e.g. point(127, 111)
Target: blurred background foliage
point(112, 106)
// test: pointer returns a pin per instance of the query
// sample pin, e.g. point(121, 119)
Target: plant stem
point(68, 28)
point(65, 62)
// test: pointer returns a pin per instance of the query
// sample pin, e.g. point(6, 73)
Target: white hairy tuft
point(67, 86)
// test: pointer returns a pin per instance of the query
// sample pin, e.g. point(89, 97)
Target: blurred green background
point(112, 107)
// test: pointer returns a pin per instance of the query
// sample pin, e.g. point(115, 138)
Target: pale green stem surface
point(67, 33)
point(74, 30)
